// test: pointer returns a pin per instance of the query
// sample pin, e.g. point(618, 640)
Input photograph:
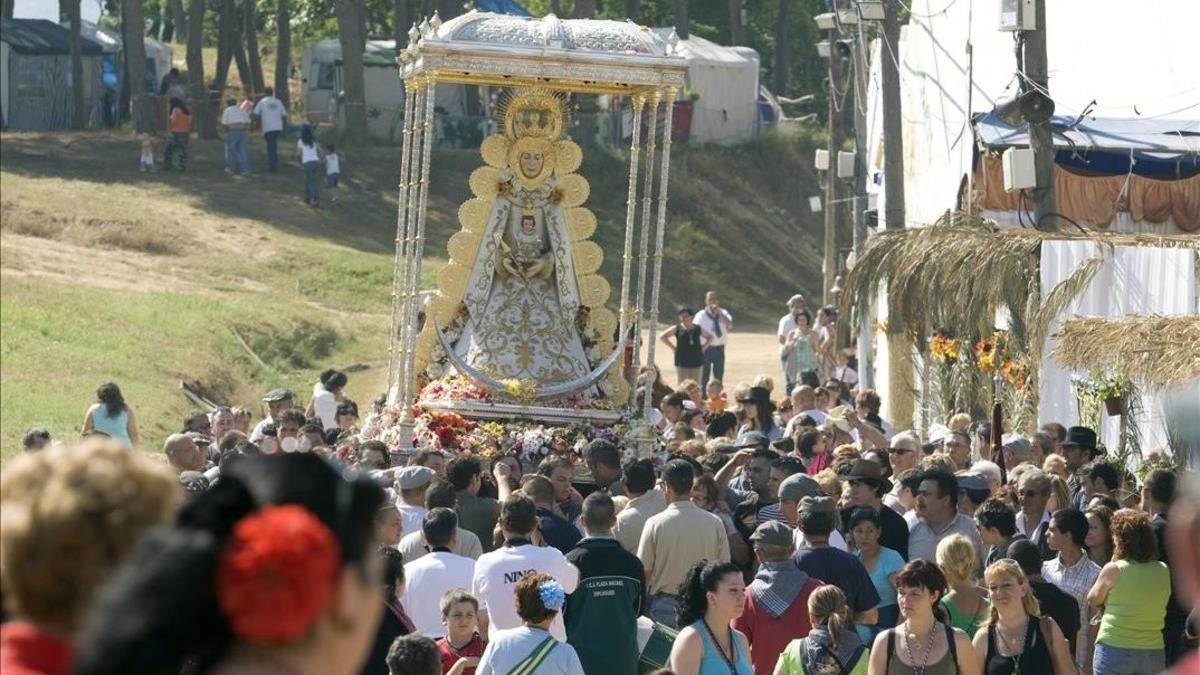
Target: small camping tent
point(36, 79)
point(322, 84)
point(726, 81)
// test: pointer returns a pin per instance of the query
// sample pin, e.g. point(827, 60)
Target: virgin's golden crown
point(533, 113)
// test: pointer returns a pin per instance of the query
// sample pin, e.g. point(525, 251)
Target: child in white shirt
point(146, 163)
point(333, 170)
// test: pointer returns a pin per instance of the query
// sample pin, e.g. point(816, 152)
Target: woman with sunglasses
point(1015, 640)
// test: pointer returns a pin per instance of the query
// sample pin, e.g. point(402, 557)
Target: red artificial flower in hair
point(276, 574)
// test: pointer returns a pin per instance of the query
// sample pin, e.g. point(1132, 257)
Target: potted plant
point(1108, 387)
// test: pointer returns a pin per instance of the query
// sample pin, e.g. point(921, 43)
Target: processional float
point(522, 315)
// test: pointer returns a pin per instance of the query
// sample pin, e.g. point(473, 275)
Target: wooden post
point(833, 145)
point(1045, 204)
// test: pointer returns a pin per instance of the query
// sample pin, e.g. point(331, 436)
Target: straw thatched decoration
point(959, 271)
point(1155, 351)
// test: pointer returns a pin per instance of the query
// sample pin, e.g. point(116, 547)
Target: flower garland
point(451, 432)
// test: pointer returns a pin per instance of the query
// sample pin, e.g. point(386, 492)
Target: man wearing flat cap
point(817, 517)
point(411, 482)
point(791, 491)
point(776, 606)
point(276, 400)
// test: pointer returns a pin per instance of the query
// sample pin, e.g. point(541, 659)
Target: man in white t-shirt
point(429, 577)
point(271, 113)
point(412, 481)
point(237, 124)
point(497, 572)
point(787, 324)
point(718, 322)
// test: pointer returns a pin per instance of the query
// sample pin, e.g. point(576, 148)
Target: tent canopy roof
point(1148, 135)
point(42, 37)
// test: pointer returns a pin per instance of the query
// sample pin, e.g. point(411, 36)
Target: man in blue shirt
point(821, 561)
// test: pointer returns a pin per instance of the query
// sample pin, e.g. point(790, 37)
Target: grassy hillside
point(150, 279)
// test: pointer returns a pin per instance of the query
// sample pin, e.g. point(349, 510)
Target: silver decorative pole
point(635, 143)
point(658, 255)
point(422, 147)
point(640, 307)
point(400, 267)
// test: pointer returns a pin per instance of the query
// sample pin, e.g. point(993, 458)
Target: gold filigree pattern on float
point(473, 214)
point(569, 157)
point(485, 182)
point(452, 280)
point(605, 322)
point(581, 223)
point(575, 190)
point(462, 247)
point(593, 290)
point(619, 388)
point(443, 308)
point(588, 256)
point(495, 151)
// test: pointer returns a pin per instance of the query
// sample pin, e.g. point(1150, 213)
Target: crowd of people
point(792, 533)
point(322, 166)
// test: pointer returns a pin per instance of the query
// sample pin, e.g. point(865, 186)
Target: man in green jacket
point(601, 615)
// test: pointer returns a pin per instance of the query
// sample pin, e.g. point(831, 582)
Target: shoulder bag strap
point(950, 642)
point(891, 647)
point(530, 664)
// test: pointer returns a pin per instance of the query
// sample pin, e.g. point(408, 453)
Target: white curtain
point(1134, 280)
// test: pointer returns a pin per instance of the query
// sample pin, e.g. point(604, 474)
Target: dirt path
point(748, 355)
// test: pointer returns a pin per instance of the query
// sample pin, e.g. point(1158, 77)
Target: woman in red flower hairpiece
point(269, 572)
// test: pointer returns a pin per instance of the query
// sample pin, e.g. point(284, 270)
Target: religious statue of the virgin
point(521, 314)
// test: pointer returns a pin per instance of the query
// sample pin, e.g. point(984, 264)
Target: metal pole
point(647, 189)
point(400, 266)
point(658, 254)
point(417, 204)
point(833, 145)
point(635, 144)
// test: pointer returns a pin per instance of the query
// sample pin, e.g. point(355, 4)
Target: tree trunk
point(225, 33)
point(681, 18)
point(783, 68)
point(893, 140)
point(178, 20)
point(737, 32)
point(123, 96)
point(250, 26)
point(168, 25)
point(556, 7)
point(201, 108)
point(283, 52)
point(585, 9)
point(351, 17)
point(8, 6)
point(633, 8)
point(79, 113)
point(401, 22)
point(134, 48)
point(239, 52)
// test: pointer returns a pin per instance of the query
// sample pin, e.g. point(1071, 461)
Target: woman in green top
point(1132, 591)
point(965, 602)
point(832, 646)
point(801, 344)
